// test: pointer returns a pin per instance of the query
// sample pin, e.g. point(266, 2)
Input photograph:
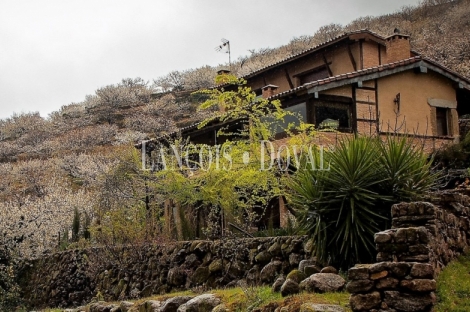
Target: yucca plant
point(408, 169)
point(344, 206)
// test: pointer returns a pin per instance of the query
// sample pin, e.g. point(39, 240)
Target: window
point(300, 112)
point(441, 121)
point(330, 115)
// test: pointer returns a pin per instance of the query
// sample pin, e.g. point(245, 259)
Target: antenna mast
point(225, 43)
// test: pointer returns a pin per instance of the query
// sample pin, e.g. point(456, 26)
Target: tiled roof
point(310, 50)
point(371, 70)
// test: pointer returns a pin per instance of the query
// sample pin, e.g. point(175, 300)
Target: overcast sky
point(53, 53)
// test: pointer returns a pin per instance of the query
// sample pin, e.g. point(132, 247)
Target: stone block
point(365, 302)
point(422, 270)
point(359, 272)
point(408, 302)
point(419, 285)
point(359, 286)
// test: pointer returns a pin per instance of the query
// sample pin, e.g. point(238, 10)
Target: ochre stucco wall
point(415, 115)
point(370, 52)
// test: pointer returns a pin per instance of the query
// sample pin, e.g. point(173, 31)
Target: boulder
point(150, 306)
point(275, 249)
point(263, 257)
point(200, 276)
point(125, 306)
point(290, 287)
point(323, 282)
point(202, 303)
point(176, 277)
point(296, 275)
point(216, 265)
point(172, 304)
point(270, 271)
point(278, 283)
point(329, 269)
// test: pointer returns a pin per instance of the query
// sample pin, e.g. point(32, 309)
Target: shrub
point(344, 206)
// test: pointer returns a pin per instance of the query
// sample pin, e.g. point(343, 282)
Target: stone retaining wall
point(425, 236)
point(73, 277)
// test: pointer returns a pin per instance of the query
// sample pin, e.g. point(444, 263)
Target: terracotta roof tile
point(370, 70)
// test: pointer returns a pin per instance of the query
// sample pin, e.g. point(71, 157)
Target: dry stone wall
point(425, 236)
point(73, 278)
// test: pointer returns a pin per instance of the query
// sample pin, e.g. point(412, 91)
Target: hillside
point(80, 157)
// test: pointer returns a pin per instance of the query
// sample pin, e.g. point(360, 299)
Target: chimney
point(222, 76)
point(397, 47)
point(269, 90)
point(223, 71)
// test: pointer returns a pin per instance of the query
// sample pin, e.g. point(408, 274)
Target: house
point(361, 82)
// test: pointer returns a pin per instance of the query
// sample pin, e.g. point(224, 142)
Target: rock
point(125, 306)
point(191, 261)
point(419, 285)
point(275, 249)
point(202, 303)
point(278, 283)
point(365, 302)
point(311, 269)
point(176, 277)
point(358, 286)
point(315, 307)
point(294, 259)
point(290, 287)
point(147, 291)
point(382, 237)
point(216, 266)
point(360, 271)
point(235, 268)
point(296, 275)
point(150, 306)
point(323, 282)
point(304, 263)
point(101, 306)
point(399, 269)
point(200, 276)
point(270, 271)
point(378, 275)
point(270, 307)
point(408, 302)
point(308, 247)
point(172, 304)
point(220, 308)
point(422, 270)
point(252, 277)
point(329, 269)
point(263, 257)
point(388, 282)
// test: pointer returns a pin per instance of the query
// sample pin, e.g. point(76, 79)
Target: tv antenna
point(225, 44)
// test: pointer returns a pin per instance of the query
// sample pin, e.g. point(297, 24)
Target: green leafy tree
point(233, 185)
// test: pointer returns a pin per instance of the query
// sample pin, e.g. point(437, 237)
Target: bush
point(344, 206)
point(9, 290)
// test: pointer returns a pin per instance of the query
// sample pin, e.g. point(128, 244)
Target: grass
point(453, 286)
point(246, 299)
